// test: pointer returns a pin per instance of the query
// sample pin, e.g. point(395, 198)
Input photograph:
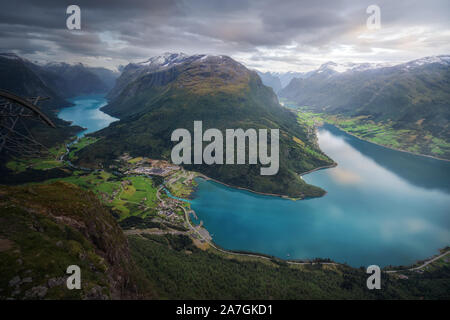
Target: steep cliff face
point(46, 228)
point(20, 77)
point(71, 80)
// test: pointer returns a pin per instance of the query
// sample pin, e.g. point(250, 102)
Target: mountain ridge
point(159, 98)
point(409, 100)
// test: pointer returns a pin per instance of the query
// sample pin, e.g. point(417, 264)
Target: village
point(172, 195)
point(147, 166)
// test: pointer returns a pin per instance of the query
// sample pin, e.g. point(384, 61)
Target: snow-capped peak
point(169, 60)
point(330, 65)
point(165, 60)
point(350, 66)
point(443, 59)
point(331, 68)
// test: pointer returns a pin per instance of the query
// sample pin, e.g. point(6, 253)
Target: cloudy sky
point(263, 34)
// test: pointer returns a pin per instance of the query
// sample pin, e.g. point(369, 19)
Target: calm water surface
point(382, 207)
point(86, 113)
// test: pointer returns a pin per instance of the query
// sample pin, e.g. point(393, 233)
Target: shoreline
point(325, 261)
point(201, 175)
point(384, 146)
point(319, 168)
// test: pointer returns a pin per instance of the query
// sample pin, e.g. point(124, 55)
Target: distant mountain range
point(19, 76)
point(76, 79)
point(171, 91)
point(55, 80)
point(279, 80)
point(412, 96)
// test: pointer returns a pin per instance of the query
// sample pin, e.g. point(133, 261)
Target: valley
point(404, 106)
point(160, 98)
point(179, 222)
point(223, 157)
point(383, 133)
point(127, 186)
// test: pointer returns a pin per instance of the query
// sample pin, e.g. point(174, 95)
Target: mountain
point(171, 91)
point(331, 68)
point(286, 77)
point(107, 76)
point(279, 80)
point(413, 96)
point(41, 235)
point(58, 80)
point(76, 79)
point(23, 78)
point(19, 76)
point(270, 80)
point(133, 71)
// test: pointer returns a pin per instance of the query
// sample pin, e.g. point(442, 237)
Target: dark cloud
point(261, 33)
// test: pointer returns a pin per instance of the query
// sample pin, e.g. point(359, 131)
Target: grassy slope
point(137, 197)
point(46, 161)
point(46, 228)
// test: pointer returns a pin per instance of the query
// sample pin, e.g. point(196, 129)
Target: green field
point(80, 144)
point(383, 133)
point(178, 187)
point(139, 191)
point(129, 196)
point(48, 160)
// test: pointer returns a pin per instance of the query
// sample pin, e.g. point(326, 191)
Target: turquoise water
point(382, 207)
point(174, 197)
point(86, 113)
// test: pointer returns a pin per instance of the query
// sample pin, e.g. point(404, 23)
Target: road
point(422, 266)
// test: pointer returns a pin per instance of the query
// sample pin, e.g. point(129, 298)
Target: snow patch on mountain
point(346, 67)
point(444, 60)
point(165, 60)
point(350, 66)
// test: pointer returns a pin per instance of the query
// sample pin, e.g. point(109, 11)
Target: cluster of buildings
point(154, 167)
point(169, 208)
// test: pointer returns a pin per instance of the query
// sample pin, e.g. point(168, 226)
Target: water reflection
point(370, 215)
point(422, 171)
